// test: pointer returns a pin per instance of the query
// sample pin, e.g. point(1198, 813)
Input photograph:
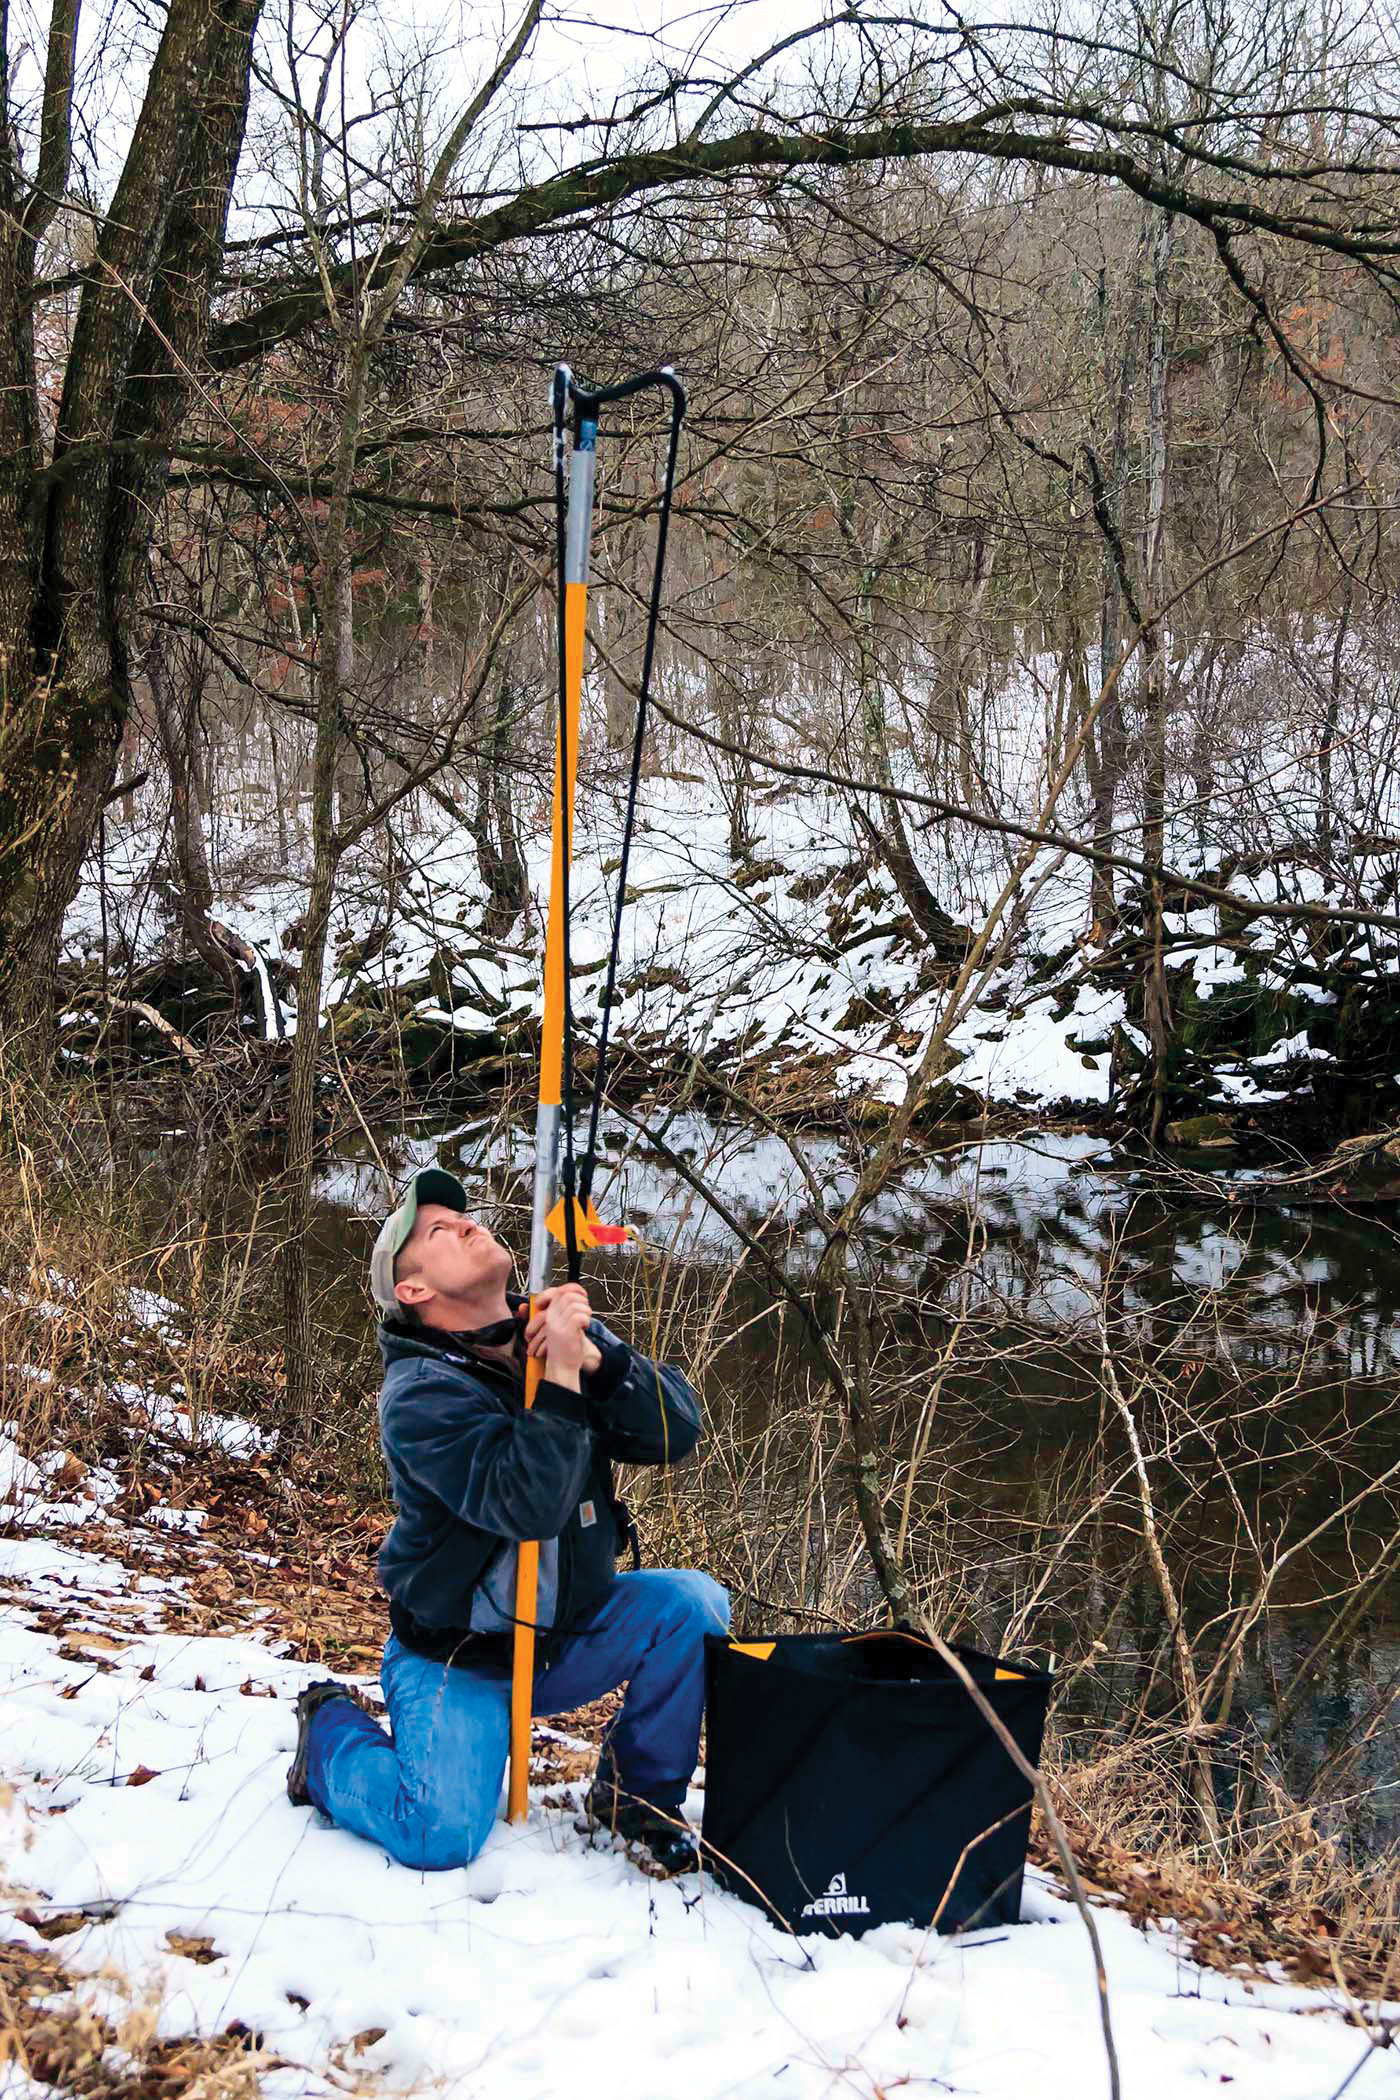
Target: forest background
point(1024, 743)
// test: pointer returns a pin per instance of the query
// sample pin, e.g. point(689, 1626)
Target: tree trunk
point(176, 719)
point(955, 678)
point(279, 795)
point(1111, 753)
point(19, 461)
point(1209, 692)
point(737, 786)
point(619, 643)
point(352, 784)
point(334, 667)
point(886, 833)
point(141, 322)
point(297, 1330)
point(1108, 489)
point(1326, 816)
point(515, 889)
point(427, 633)
point(498, 855)
point(1156, 999)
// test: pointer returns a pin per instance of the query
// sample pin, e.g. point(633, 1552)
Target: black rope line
point(600, 1078)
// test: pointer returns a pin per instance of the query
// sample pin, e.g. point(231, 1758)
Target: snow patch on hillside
point(803, 947)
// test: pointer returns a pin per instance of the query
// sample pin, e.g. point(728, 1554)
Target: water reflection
point(1032, 1227)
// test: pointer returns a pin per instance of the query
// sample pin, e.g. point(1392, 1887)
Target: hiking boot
point(310, 1700)
point(667, 1836)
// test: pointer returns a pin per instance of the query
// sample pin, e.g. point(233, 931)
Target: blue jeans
point(429, 1794)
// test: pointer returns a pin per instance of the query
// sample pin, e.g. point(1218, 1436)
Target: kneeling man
point(473, 1472)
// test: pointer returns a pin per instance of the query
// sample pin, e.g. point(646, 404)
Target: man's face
point(449, 1255)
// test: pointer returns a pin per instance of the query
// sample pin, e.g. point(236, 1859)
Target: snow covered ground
point(144, 1813)
point(804, 947)
point(709, 959)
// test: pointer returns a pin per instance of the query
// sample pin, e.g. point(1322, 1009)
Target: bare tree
point(75, 525)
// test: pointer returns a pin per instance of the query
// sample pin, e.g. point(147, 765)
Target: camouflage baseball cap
point(432, 1185)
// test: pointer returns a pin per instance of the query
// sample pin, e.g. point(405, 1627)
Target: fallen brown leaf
point(56, 1926)
point(196, 1947)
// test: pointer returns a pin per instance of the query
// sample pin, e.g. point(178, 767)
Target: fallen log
point(155, 1019)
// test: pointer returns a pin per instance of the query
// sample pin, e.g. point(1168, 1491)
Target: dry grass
point(287, 1534)
point(1277, 1895)
point(52, 2032)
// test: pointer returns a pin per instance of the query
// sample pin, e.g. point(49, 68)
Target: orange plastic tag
point(582, 1231)
point(589, 1230)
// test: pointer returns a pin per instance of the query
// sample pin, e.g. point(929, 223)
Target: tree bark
point(1111, 755)
point(498, 853)
point(1326, 816)
point(888, 837)
point(334, 666)
point(1156, 998)
point(25, 216)
point(618, 622)
point(175, 715)
point(142, 319)
point(352, 786)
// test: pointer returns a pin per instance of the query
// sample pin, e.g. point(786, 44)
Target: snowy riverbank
point(801, 953)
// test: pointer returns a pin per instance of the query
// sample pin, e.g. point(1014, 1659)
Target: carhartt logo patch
point(587, 1514)
point(837, 1902)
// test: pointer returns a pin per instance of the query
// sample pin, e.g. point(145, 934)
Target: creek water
point(1258, 1349)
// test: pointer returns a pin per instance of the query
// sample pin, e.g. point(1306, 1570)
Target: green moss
point(1209, 1132)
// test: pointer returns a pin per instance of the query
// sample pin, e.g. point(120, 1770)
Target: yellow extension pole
point(547, 1118)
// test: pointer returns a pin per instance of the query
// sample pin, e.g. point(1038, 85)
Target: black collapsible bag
point(850, 1781)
